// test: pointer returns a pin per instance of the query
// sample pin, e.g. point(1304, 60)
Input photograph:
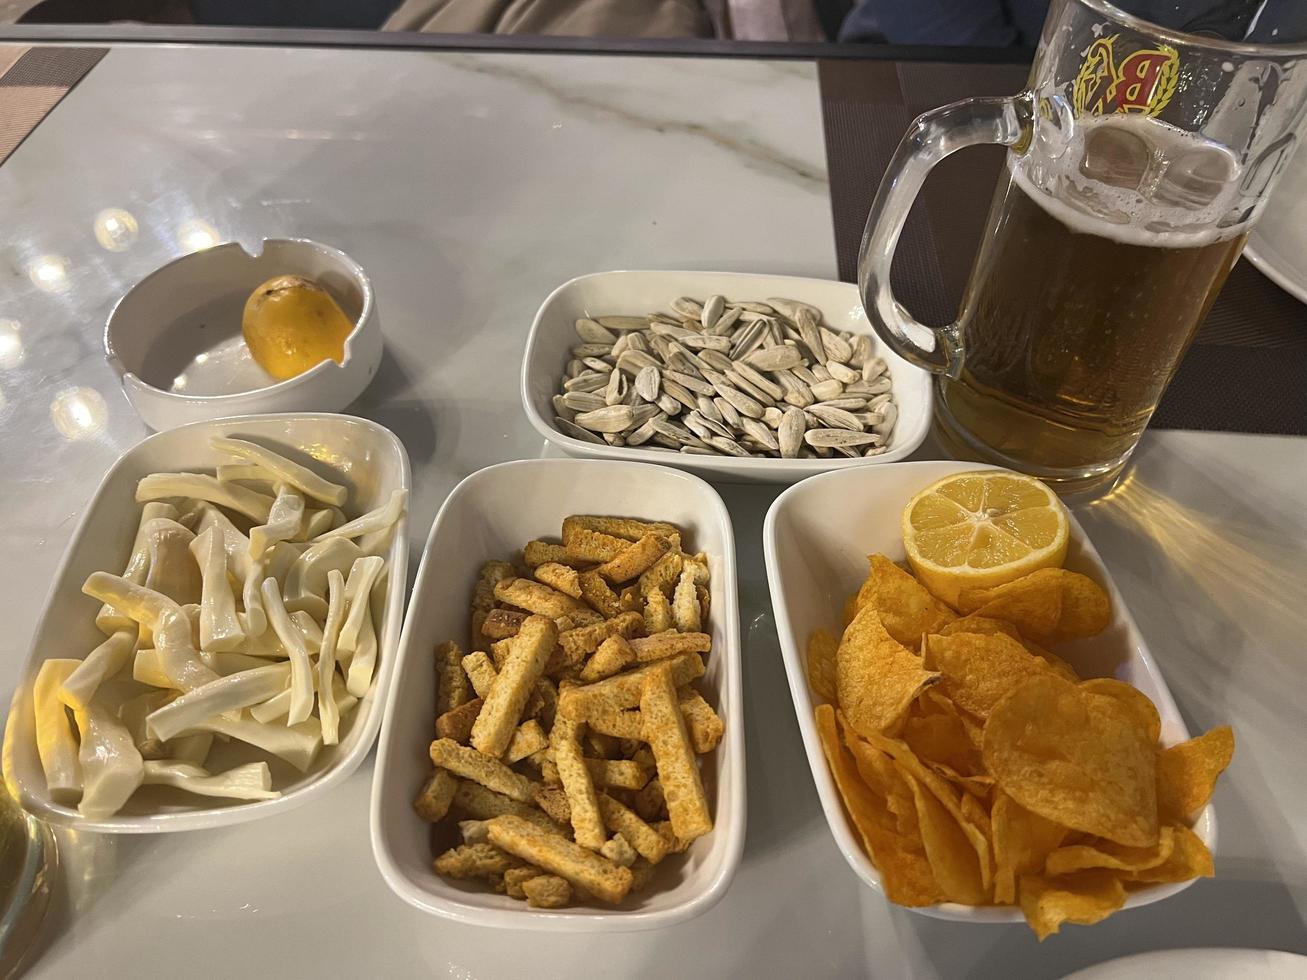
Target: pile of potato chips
point(978, 768)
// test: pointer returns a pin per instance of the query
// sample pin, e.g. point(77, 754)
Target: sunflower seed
point(778, 358)
point(789, 435)
point(583, 401)
point(647, 383)
point(876, 451)
point(667, 330)
point(685, 306)
point(837, 348)
point(836, 418)
point(729, 415)
point(796, 392)
point(803, 374)
point(743, 384)
point(873, 369)
point(746, 338)
point(755, 378)
point(712, 311)
point(561, 409)
point(587, 381)
point(810, 333)
point(680, 358)
point(874, 403)
point(869, 419)
point(613, 418)
point(826, 390)
point(861, 351)
point(623, 322)
point(641, 434)
point(679, 392)
point(596, 364)
point(752, 306)
point(716, 360)
point(772, 416)
point(820, 373)
point(592, 350)
point(697, 385)
point(869, 388)
point(668, 404)
point(834, 438)
point(740, 401)
point(634, 361)
point(790, 308)
point(846, 402)
point(697, 424)
point(615, 390)
point(889, 415)
point(574, 367)
point(593, 332)
point(613, 439)
point(726, 322)
point(575, 431)
point(760, 432)
point(700, 342)
point(729, 446)
point(636, 342)
point(842, 373)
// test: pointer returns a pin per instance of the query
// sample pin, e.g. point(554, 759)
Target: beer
point(1097, 269)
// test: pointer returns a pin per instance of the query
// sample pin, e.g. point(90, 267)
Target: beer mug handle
point(933, 136)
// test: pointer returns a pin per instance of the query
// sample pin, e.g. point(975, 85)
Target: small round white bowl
point(553, 334)
point(175, 337)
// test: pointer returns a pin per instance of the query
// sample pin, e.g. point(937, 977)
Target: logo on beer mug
point(1143, 81)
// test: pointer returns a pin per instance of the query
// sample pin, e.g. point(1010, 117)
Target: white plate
point(1200, 964)
point(369, 459)
point(491, 515)
point(816, 539)
point(1278, 243)
point(553, 334)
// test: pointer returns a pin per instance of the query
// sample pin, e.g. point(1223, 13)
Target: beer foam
point(1139, 218)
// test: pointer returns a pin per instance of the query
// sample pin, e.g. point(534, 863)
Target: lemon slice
point(982, 529)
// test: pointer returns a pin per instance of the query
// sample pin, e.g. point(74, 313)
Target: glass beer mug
point(1138, 159)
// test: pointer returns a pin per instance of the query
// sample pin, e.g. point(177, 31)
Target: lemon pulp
point(292, 324)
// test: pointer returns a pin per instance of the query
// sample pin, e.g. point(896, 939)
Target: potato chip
point(976, 623)
point(877, 678)
point(879, 772)
point(1048, 605)
point(1132, 698)
point(950, 799)
point(1186, 773)
point(906, 609)
point(935, 733)
point(977, 670)
point(1076, 758)
point(1022, 843)
point(821, 664)
point(951, 854)
point(1084, 898)
point(905, 873)
point(1189, 859)
point(1113, 857)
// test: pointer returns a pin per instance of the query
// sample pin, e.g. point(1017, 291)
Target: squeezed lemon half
point(982, 529)
point(292, 324)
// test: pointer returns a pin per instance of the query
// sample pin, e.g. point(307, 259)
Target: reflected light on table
point(78, 413)
point(11, 344)
point(1220, 558)
point(115, 229)
point(49, 273)
point(197, 234)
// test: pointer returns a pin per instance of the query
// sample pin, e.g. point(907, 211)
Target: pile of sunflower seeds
point(727, 378)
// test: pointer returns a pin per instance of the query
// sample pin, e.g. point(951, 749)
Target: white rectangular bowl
point(371, 462)
point(553, 334)
point(491, 515)
point(816, 540)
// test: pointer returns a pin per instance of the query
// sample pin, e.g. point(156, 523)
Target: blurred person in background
point(1003, 23)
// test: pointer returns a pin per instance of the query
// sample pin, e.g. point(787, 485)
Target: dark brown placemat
point(1247, 368)
point(32, 81)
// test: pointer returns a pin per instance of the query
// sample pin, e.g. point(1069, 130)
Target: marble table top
point(469, 185)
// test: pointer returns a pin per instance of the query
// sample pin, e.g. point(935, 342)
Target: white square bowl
point(816, 539)
point(553, 334)
point(368, 459)
point(491, 515)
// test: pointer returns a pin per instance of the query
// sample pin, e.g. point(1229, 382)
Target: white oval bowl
point(816, 539)
point(371, 461)
point(491, 515)
point(553, 334)
point(175, 337)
